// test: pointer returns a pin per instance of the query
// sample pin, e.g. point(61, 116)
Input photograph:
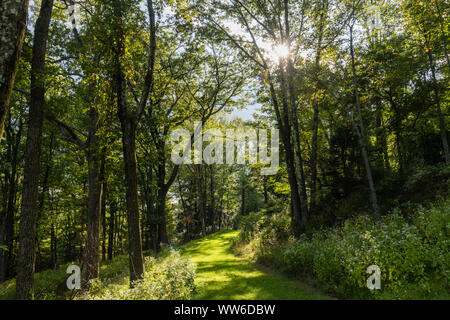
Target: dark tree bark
point(213, 202)
point(200, 196)
point(158, 223)
point(382, 140)
point(53, 247)
point(266, 194)
point(312, 203)
point(398, 136)
point(91, 250)
point(298, 151)
point(161, 202)
point(442, 128)
point(42, 197)
point(103, 207)
point(290, 77)
point(27, 231)
point(13, 18)
point(48, 167)
point(220, 214)
point(134, 230)
point(243, 201)
point(112, 217)
point(7, 226)
point(286, 138)
point(151, 212)
point(292, 159)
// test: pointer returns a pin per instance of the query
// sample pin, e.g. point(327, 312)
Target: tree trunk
point(53, 246)
point(381, 138)
point(266, 194)
point(290, 77)
point(442, 129)
point(151, 215)
point(213, 203)
point(292, 160)
point(103, 210)
point(129, 121)
point(284, 125)
point(200, 195)
point(397, 131)
point(243, 201)
point(161, 203)
point(48, 167)
point(312, 203)
point(7, 232)
point(129, 154)
point(362, 136)
point(13, 18)
point(297, 147)
point(134, 230)
point(27, 231)
point(112, 216)
point(91, 250)
point(443, 34)
point(153, 226)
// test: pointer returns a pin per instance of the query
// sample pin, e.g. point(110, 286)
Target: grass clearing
point(221, 275)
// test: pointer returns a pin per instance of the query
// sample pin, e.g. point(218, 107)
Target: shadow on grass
point(223, 276)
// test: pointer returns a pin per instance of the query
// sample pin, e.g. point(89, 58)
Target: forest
point(352, 96)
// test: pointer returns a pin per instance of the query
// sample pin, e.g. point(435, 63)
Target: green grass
point(223, 276)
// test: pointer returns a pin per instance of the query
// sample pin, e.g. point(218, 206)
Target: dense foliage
point(412, 253)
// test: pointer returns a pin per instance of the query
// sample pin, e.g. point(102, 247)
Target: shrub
point(271, 227)
point(170, 277)
point(299, 256)
point(248, 225)
point(427, 184)
point(413, 257)
point(434, 226)
point(269, 231)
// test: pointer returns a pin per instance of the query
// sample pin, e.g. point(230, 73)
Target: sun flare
point(279, 51)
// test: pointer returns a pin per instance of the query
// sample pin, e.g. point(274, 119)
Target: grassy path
point(223, 276)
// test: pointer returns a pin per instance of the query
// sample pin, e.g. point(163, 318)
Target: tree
point(258, 18)
point(423, 20)
point(13, 18)
point(361, 129)
point(129, 120)
point(91, 91)
point(13, 136)
point(26, 257)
